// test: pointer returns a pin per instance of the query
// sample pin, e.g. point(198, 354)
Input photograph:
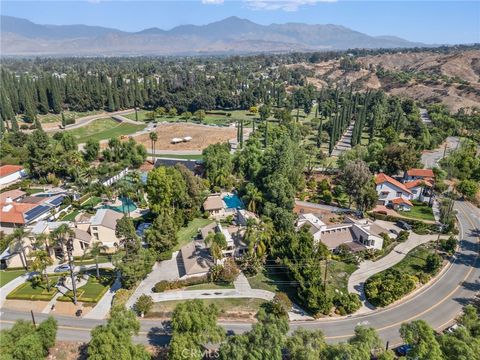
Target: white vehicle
point(176, 140)
point(62, 268)
point(187, 138)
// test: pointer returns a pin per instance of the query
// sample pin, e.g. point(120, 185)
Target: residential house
point(10, 174)
point(102, 228)
point(357, 235)
point(194, 260)
point(215, 206)
point(18, 210)
point(389, 189)
point(12, 257)
point(401, 204)
point(418, 174)
point(422, 190)
point(244, 215)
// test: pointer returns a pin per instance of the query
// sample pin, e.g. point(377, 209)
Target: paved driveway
point(165, 270)
point(369, 268)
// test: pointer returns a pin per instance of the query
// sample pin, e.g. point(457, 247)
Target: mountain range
point(228, 36)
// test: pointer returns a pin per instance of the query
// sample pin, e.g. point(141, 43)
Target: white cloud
point(214, 2)
point(285, 5)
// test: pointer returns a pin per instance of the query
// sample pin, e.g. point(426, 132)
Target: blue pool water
point(127, 206)
point(233, 202)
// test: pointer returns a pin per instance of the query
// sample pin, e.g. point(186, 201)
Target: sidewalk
point(101, 310)
point(10, 286)
point(369, 268)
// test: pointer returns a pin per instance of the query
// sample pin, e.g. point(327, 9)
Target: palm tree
point(63, 237)
point(217, 243)
point(18, 237)
point(153, 138)
point(42, 259)
point(253, 197)
point(96, 250)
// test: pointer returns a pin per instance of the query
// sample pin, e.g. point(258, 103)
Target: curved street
point(438, 303)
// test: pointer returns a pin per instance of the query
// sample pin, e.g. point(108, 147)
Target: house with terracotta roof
point(389, 189)
point(422, 190)
point(11, 173)
point(402, 204)
point(418, 174)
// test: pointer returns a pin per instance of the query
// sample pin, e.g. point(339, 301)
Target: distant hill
point(230, 35)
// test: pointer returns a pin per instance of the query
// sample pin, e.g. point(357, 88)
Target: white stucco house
point(357, 235)
point(11, 173)
point(389, 189)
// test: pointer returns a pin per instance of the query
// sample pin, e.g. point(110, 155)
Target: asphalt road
point(439, 303)
point(431, 158)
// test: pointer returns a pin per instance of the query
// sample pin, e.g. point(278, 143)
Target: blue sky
point(426, 21)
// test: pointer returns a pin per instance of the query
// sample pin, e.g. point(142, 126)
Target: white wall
point(392, 192)
point(12, 177)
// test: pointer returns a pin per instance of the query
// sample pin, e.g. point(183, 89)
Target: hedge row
point(178, 284)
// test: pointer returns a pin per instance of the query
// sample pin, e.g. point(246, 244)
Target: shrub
point(449, 245)
point(178, 284)
point(121, 297)
point(143, 304)
point(229, 271)
point(161, 286)
point(386, 287)
point(432, 263)
point(347, 303)
point(403, 236)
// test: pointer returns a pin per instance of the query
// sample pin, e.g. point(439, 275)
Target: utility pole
point(70, 263)
point(33, 318)
point(325, 275)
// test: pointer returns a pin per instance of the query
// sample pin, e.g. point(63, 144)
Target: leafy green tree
point(432, 263)
point(125, 231)
point(143, 304)
point(421, 337)
point(218, 164)
point(468, 188)
point(41, 259)
point(114, 339)
point(193, 324)
point(135, 266)
point(356, 178)
point(305, 345)
point(91, 150)
point(162, 235)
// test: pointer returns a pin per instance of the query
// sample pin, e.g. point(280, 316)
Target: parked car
point(62, 268)
point(452, 328)
point(404, 225)
point(403, 350)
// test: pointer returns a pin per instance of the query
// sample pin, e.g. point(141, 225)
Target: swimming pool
point(233, 202)
point(127, 206)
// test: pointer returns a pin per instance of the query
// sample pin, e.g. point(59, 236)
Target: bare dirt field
point(202, 136)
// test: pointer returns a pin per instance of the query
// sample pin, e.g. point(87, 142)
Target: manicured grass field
point(173, 156)
point(104, 129)
point(185, 234)
point(210, 286)
point(92, 201)
point(90, 261)
point(27, 291)
point(420, 212)
point(251, 306)
point(71, 216)
point(94, 289)
point(8, 275)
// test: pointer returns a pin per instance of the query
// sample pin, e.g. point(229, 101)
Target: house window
point(94, 228)
point(399, 194)
point(96, 235)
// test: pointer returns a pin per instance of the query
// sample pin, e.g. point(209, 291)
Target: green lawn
point(51, 118)
point(165, 308)
point(8, 275)
point(104, 129)
point(414, 262)
point(32, 191)
point(27, 291)
point(210, 286)
point(419, 211)
point(92, 201)
point(172, 156)
point(185, 234)
point(70, 216)
point(337, 278)
point(94, 289)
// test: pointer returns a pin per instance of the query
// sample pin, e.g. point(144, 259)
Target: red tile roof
point(6, 170)
point(13, 213)
point(13, 194)
point(400, 200)
point(415, 183)
point(421, 173)
point(381, 178)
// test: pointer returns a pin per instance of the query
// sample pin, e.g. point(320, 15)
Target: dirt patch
point(69, 309)
point(35, 306)
point(202, 136)
point(326, 216)
point(66, 350)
